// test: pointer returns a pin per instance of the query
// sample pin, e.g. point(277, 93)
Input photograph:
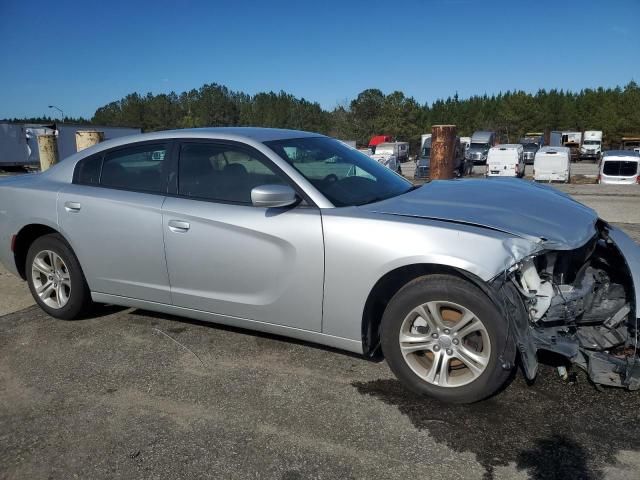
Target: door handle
point(72, 206)
point(178, 226)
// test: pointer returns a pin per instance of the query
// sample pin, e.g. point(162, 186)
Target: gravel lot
point(131, 394)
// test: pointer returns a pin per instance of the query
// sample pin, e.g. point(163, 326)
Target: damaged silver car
point(293, 233)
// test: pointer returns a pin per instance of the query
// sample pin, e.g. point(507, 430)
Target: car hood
point(537, 212)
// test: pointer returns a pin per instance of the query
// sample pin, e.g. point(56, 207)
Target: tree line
point(616, 111)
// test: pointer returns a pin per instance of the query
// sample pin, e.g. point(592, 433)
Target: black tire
point(449, 289)
point(79, 298)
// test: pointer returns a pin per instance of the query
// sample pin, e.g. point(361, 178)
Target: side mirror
point(273, 196)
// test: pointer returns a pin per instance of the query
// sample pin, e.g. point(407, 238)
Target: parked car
point(619, 167)
point(462, 166)
point(552, 164)
point(296, 234)
point(481, 142)
point(506, 161)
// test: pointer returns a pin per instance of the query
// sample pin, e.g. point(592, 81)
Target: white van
point(505, 161)
point(620, 167)
point(552, 164)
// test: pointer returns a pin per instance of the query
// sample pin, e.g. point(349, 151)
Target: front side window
point(137, 168)
point(343, 175)
point(221, 172)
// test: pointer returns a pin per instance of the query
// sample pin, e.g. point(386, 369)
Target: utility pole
point(442, 151)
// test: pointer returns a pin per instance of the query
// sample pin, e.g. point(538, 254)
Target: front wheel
point(55, 278)
point(443, 337)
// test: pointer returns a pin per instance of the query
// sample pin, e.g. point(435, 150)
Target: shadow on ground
point(551, 429)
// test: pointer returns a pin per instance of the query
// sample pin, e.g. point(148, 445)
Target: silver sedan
point(296, 234)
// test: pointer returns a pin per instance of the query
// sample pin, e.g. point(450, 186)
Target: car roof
point(549, 148)
point(258, 134)
point(622, 153)
point(254, 136)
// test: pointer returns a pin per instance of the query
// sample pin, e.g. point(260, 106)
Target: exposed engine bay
point(579, 304)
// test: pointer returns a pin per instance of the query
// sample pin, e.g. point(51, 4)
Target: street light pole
point(61, 112)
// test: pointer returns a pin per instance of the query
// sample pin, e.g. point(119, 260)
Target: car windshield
point(620, 168)
point(342, 174)
point(426, 152)
point(591, 142)
point(480, 146)
point(530, 146)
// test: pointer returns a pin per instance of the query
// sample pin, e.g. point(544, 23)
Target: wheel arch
point(388, 285)
point(25, 238)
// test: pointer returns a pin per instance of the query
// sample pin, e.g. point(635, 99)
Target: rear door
point(621, 171)
point(503, 163)
point(226, 256)
point(112, 216)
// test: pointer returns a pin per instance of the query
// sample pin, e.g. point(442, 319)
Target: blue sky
point(81, 55)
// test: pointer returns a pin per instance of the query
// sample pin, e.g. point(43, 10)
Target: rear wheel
point(443, 337)
point(55, 278)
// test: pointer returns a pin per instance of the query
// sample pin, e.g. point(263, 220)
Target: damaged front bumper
point(581, 304)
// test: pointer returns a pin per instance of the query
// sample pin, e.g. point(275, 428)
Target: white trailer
point(19, 141)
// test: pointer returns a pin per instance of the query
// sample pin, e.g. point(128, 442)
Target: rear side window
point(87, 171)
point(139, 168)
point(620, 168)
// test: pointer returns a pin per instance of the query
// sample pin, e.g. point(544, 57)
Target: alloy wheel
point(51, 279)
point(445, 344)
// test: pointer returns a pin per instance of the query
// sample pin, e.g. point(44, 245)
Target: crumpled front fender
point(630, 250)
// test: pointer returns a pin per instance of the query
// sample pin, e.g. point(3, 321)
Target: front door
point(226, 256)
